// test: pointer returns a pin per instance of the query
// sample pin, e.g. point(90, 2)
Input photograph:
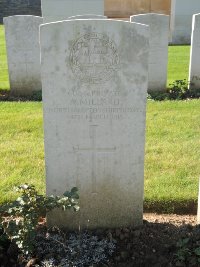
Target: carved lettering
point(94, 102)
point(94, 58)
point(195, 78)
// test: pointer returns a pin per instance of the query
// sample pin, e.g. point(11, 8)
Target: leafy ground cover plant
point(178, 90)
point(20, 218)
point(36, 96)
point(188, 251)
point(53, 248)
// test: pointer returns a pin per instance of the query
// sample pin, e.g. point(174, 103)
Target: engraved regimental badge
point(94, 58)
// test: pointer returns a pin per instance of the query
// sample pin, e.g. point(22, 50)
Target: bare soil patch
point(155, 243)
point(152, 245)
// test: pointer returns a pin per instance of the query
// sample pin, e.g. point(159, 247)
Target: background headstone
point(88, 16)
point(95, 76)
point(23, 53)
point(158, 48)
point(62, 9)
point(194, 69)
point(181, 20)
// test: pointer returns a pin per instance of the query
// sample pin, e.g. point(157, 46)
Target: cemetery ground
point(170, 183)
point(171, 173)
point(171, 135)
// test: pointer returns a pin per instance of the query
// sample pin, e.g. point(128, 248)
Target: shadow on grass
point(5, 95)
point(171, 206)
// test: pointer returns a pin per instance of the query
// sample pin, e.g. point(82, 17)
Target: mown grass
point(172, 152)
point(21, 147)
point(172, 164)
point(4, 80)
point(178, 63)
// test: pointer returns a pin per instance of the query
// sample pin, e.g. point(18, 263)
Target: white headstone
point(194, 70)
point(94, 76)
point(87, 16)
point(23, 53)
point(181, 20)
point(158, 48)
point(57, 10)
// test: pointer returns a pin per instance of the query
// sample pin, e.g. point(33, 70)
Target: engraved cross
point(94, 150)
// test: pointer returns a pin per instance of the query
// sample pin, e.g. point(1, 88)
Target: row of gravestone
point(23, 51)
point(180, 17)
point(94, 75)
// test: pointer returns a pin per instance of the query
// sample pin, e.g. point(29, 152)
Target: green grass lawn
point(21, 147)
point(4, 81)
point(172, 152)
point(172, 164)
point(178, 63)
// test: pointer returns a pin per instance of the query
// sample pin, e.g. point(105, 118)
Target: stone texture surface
point(62, 9)
point(95, 76)
point(194, 69)
point(19, 7)
point(23, 53)
point(181, 20)
point(88, 16)
point(158, 48)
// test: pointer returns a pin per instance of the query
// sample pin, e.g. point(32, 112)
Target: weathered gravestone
point(23, 53)
point(181, 20)
point(158, 48)
point(94, 76)
point(87, 16)
point(62, 9)
point(194, 70)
